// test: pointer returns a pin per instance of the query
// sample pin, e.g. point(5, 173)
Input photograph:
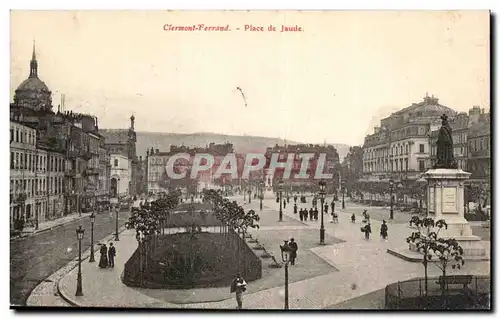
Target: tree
point(448, 252)
point(424, 239)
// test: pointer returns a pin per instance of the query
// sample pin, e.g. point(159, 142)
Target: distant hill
point(242, 144)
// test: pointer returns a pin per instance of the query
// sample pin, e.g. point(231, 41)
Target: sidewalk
point(51, 224)
point(363, 267)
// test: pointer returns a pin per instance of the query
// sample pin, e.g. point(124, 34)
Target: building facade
point(120, 175)
point(123, 143)
point(23, 183)
point(399, 149)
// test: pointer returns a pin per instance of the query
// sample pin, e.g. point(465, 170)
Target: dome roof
point(33, 84)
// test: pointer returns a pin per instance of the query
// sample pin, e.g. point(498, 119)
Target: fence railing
point(410, 294)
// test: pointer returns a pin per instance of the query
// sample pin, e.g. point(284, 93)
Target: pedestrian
point(316, 214)
point(353, 218)
point(111, 255)
point(293, 254)
point(311, 214)
point(368, 230)
point(326, 209)
point(383, 230)
point(284, 204)
point(301, 214)
point(333, 206)
point(305, 214)
point(238, 286)
point(103, 261)
point(295, 208)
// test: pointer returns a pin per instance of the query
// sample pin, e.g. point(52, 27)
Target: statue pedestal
point(445, 194)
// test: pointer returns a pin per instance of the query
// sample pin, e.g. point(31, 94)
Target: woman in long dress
point(103, 261)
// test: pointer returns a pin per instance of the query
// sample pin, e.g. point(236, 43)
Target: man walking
point(238, 286)
point(111, 255)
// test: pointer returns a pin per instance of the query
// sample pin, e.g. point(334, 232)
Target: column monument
point(445, 194)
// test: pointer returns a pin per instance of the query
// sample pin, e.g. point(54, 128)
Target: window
point(25, 161)
point(11, 160)
point(116, 162)
point(11, 135)
point(421, 148)
point(421, 165)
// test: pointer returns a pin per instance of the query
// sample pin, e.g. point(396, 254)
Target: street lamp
point(343, 194)
point(322, 193)
point(92, 220)
point(261, 191)
point(140, 240)
point(79, 235)
point(400, 186)
point(280, 192)
point(285, 256)
point(391, 189)
point(116, 232)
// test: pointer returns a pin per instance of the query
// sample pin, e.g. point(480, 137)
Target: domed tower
point(33, 93)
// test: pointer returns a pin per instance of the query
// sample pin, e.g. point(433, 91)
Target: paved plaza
point(331, 276)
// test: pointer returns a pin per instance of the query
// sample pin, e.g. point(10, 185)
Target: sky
point(331, 82)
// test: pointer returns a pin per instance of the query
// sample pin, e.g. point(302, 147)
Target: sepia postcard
point(243, 160)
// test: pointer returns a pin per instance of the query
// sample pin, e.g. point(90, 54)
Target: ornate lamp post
point(261, 193)
point(391, 189)
point(322, 194)
point(79, 235)
point(343, 194)
point(285, 256)
point(92, 220)
point(140, 241)
point(116, 225)
point(280, 192)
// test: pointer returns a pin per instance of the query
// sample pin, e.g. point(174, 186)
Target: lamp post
point(322, 193)
point(261, 193)
point(400, 186)
point(140, 240)
point(280, 192)
point(79, 235)
point(116, 231)
point(285, 256)
point(391, 189)
point(250, 194)
point(92, 220)
point(343, 194)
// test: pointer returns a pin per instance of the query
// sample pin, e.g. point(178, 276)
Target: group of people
point(107, 259)
point(367, 229)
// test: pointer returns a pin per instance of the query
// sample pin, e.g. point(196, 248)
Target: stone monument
point(445, 195)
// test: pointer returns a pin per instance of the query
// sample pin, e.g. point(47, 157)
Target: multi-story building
point(65, 144)
point(158, 181)
point(120, 175)
point(22, 172)
point(123, 142)
point(104, 173)
point(479, 162)
point(331, 165)
point(399, 148)
point(55, 182)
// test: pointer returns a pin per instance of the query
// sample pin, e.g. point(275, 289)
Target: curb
point(419, 260)
point(87, 255)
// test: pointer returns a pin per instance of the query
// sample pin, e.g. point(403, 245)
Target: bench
point(463, 280)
